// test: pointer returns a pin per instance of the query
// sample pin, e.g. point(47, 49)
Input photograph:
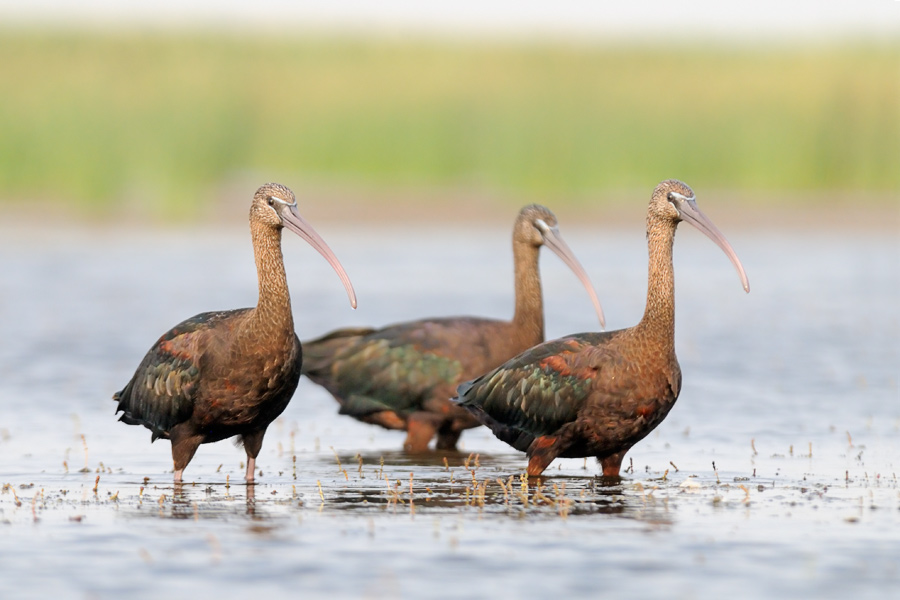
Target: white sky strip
point(648, 19)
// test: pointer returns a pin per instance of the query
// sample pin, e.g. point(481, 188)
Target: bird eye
point(671, 197)
point(270, 200)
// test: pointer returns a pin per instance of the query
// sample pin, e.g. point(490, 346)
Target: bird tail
point(514, 436)
point(122, 397)
point(462, 391)
point(319, 354)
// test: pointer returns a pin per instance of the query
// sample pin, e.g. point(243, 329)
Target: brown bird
point(598, 394)
point(229, 373)
point(403, 376)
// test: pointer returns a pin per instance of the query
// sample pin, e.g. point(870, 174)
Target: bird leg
point(252, 441)
point(183, 449)
point(420, 428)
point(541, 453)
point(447, 437)
point(612, 463)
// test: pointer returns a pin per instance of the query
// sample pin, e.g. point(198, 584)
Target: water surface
point(774, 476)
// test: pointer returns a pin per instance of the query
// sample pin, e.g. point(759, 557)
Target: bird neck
point(273, 310)
point(659, 316)
point(528, 319)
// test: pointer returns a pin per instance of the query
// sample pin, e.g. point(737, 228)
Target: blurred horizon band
point(163, 120)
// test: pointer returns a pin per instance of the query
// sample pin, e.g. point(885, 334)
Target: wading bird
point(229, 373)
point(598, 394)
point(403, 376)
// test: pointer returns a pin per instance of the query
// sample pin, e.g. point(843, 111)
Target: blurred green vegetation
point(88, 119)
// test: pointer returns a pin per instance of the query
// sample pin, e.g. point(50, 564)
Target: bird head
point(674, 201)
point(536, 226)
point(275, 206)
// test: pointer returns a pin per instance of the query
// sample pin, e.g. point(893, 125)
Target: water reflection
point(189, 501)
point(385, 485)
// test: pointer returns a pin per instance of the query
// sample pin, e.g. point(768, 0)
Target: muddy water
point(774, 476)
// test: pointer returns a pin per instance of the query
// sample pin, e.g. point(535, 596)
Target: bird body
point(410, 371)
point(580, 395)
point(402, 376)
point(597, 394)
point(211, 344)
point(228, 373)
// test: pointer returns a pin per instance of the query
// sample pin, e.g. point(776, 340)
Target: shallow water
point(775, 475)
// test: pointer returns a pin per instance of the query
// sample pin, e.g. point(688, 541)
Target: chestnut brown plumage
point(229, 373)
point(402, 376)
point(598, 394)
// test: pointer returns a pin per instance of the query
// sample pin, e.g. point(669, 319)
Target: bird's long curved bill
point(553, 241)
point(690, 213)
point(293, 221)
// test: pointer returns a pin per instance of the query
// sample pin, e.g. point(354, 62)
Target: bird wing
point(540, 390)
point(318, 354)
point(396, 368)
point(161, 393)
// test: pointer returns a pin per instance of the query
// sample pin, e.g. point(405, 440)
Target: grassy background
point(162, 120)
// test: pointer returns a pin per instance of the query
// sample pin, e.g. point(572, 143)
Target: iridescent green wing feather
point(540, 390)
point(161, 393)
point(396, 368)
